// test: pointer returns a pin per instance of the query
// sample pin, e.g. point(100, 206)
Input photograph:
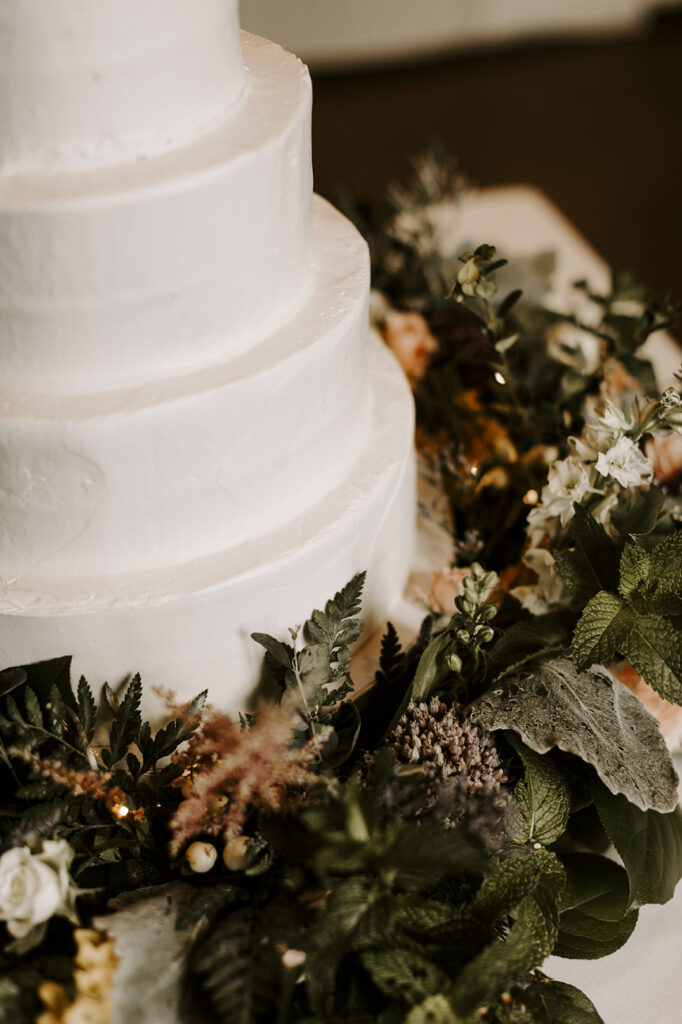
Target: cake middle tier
point(174, 471)
point(113, 277)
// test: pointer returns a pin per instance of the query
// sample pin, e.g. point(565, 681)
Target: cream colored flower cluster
point(604, 462)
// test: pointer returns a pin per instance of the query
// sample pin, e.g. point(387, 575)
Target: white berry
point(236, 853)
point(201, 857)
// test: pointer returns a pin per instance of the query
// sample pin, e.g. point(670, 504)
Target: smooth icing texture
point(195, 439)
point(112, 278)
point(190, 627)
point(84, 82)
point(205, 450)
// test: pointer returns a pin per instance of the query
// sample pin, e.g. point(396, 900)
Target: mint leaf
point(650, 845)
point(601, 629)
point(666, 565)
point(653, 646)
point(635, 570)
point(589, 714)
point(529, 940)
point(543, 797)
point(595, 916)
point(403, 974)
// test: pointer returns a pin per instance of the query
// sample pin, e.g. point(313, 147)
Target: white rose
point(626, 464)
point(33, 886)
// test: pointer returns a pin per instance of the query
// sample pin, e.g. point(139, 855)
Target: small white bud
point(236, 853)
point(201, 857)
point(467, 277)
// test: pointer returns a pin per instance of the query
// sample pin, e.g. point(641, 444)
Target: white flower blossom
point(550, 591)
point(568, 482)
point(574, 347)
point(626, 463)
point(34, 886)
point(614, 420)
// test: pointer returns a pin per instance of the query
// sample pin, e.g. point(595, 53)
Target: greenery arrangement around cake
point(412, 854)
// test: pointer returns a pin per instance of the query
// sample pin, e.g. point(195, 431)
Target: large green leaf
point(649, 843)
point(543, 798)
point(589, 714)
point(595, 917)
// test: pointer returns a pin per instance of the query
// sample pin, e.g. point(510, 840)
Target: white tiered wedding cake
point(195, 438)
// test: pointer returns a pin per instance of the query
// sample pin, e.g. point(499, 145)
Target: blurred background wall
point(582, 98)
point(339, 33)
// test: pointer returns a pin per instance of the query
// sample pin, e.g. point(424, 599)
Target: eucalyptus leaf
point(589, 714)
point(649, 843)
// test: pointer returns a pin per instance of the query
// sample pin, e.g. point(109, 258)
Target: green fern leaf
point(240, 972)
point(125, 728)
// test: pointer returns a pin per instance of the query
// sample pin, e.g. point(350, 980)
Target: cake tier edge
point(191, 627)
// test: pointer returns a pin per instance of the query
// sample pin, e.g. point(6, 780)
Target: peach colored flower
point(446, 585)
point(666, 455)
point(408, 335)
point(668, 715)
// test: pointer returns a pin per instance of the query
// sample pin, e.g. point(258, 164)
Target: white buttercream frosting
point(189, 627)
point(115, 277)
point(195, 441)
point(188, 467)
point(85, 82)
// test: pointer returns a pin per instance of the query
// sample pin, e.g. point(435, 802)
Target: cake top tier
point(90, 82)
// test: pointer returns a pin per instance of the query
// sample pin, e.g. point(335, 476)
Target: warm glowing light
point(120, 811)
point(473, 469)
point(531, 497)
point(500, 378)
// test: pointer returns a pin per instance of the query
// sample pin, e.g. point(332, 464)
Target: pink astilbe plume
point(234, 771)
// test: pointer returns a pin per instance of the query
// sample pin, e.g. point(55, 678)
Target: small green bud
point(453, 661)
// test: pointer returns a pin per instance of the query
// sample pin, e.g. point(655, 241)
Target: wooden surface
point(598, 127)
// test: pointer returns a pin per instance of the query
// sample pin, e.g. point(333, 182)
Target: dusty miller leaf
point(589, 714)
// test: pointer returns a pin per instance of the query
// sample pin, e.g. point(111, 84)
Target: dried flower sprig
point(235, 770)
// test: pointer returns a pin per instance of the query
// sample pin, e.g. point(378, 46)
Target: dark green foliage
point(637, 615)
point(649, 843)
point(596, 918)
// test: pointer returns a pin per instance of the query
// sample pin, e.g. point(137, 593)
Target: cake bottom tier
point(190, 628)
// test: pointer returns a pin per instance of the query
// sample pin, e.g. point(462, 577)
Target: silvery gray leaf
point(589, 714)
point(151, 953)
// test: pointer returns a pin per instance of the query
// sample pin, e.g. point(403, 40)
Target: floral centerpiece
point(412, 854)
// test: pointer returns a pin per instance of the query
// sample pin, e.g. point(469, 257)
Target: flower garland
point(412, 855)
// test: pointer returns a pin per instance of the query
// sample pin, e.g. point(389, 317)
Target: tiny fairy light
point(120, 810)
point(500, 378)
point(531, 497)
